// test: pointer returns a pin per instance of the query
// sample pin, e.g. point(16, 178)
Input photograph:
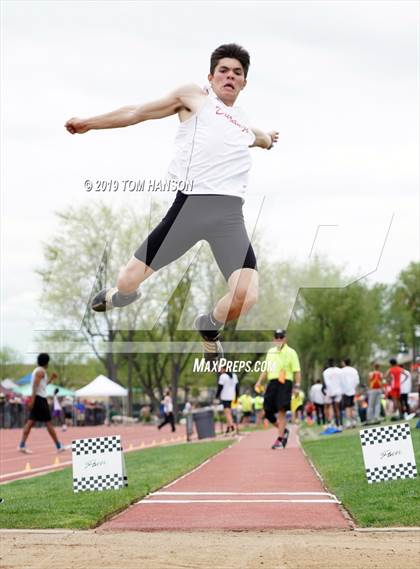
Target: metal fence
point(15, 415)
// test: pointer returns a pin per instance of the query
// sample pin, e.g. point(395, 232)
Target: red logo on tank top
point(220, 111)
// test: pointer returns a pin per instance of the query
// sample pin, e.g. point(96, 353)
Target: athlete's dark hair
point(393, 361)
point(347, 361)
point(43, 359)
point(232, 50)
point(331, 362)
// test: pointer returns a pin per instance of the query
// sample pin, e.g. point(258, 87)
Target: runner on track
point(39, 408)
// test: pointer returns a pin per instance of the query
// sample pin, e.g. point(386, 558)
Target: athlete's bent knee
point(251, 299)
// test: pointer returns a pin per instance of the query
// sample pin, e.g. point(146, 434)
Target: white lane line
point(188, 473)
point(148, 501)
point(159, 493)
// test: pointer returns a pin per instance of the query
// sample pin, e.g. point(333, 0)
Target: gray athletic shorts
point(217, 219)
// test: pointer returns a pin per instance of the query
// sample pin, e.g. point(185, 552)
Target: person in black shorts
point(39, 408)
point(283, 368)
point(212, 154)
point(227, 392)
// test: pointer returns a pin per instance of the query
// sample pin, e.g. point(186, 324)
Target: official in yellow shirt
point(298, 399)
point(259, 409)
point(283, 370)
point(246, 402)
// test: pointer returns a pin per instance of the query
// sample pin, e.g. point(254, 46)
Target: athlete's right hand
point(76, 126)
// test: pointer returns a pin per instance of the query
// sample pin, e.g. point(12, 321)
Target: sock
point(119, 300)
point(22, 444)
point(58, 445)
point(216, 323)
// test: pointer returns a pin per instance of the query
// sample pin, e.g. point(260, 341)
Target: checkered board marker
point(98, 464)
point(388, 453)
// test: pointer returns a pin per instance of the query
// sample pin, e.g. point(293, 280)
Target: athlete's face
point(228, 80)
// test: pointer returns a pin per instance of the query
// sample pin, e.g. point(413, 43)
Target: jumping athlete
point(212, 151)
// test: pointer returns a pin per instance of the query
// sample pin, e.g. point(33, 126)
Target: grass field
point(49, 502)
point(339, 460)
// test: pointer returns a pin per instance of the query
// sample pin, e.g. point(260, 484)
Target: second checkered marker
point(388, 453)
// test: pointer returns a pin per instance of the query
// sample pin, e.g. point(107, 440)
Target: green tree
point(326, 321)
point(71, 274)
point(336, 323)
point(404, 309)
point(9, 362)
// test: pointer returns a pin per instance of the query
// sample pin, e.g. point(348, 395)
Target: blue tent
point(25, 379)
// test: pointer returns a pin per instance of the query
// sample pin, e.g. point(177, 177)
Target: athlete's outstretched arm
point(187, 96)
point(264, 139)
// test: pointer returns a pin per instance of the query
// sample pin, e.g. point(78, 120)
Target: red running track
point(15, 465)
point(247, 486)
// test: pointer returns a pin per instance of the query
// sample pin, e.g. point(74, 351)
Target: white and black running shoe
point(212, 347)
point(278, 444)
point(109, 298)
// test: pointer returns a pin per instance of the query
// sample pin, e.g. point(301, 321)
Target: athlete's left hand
point(53, 376)
point(274, 135)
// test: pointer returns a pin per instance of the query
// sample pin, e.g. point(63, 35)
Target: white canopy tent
point(102, 386)
point(9, 384)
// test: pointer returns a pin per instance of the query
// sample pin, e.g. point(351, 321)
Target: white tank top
point(212, 150)
point(42, 385)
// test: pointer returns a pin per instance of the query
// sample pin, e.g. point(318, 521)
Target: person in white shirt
point(349, 382)
point(210, 170)
point(39, 408)
point(405, 390)
point(333, 391)
point(168, 412)
point(58, 410)
point(227, 392)
point(317, 397)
